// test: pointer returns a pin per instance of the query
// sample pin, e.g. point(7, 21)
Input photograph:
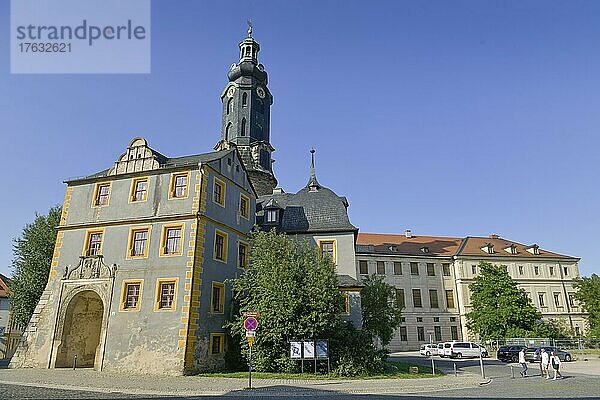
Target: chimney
point(278, 190)
point(408, 233)
point(494, 236)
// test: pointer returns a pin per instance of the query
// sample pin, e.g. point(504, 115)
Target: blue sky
point(447, 117)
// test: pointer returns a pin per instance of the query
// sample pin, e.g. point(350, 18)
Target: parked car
point(532, 354)
point(466, 349)
point(428, 349)
point(509, 353)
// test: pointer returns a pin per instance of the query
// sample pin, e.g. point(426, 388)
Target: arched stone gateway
point(82, 316)
point(81, 333)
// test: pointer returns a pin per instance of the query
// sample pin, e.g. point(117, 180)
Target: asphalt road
point(502, 384)
point(492, 367)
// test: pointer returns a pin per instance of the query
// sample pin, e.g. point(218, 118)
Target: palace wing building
point(137, 282)
point(432, 274)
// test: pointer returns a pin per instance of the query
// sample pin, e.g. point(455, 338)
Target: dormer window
point(424, 249)
point(512, 249)
point(488, 248)
point(271, 215)
point(534, 249)
point(393, 248)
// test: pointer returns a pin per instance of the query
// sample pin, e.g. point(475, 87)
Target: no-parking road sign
point(250, 324)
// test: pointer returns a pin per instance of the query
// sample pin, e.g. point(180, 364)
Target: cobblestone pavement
point(89, 380)
point(492, 391)
point(88, 384)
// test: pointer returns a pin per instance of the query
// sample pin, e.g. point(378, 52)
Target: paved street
point(584, 383)
point(59, 384)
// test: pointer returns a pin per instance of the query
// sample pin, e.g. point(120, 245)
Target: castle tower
point(246, 116)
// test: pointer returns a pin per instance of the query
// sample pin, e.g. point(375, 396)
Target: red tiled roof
point(436, 245)
point(4, 281)
point(472, 247)
point(448, 246)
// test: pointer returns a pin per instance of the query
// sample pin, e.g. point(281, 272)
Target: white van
point(440, 351)
point(428, 349)
point(464, 350)
point(448, 349)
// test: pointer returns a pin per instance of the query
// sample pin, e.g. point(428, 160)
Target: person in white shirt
point(545, 362)
point(523, 362)
point(555, 362)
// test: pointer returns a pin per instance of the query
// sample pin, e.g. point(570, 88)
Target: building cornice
point(128, 221)
point(448, 258)
point(515, 259)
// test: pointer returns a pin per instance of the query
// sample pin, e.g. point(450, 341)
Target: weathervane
point(249, 27)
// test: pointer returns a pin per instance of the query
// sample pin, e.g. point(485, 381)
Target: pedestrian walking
point(555, 362)
point(523, 362)
point(545, 362)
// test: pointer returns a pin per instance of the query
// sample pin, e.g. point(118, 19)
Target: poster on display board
point(309, 349)
point(295, 349)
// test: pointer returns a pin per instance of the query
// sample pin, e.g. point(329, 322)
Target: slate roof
point(313, 209)
point(307, 211)
point(166, 163)
point(399, 244)
point(346, 281)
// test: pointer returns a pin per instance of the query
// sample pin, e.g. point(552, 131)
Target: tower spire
point(246, 115)
point(313, 184)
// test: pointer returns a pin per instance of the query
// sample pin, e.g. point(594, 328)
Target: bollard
point(512, 372)
point(74, 362)
point(481, 364)
point(455, 371)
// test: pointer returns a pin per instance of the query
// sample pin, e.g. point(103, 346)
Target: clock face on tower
point(231, 92)
point(260, 92)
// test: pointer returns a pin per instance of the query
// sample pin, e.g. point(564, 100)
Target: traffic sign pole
point(431, 355)
point(250, 369)
point(250, 325)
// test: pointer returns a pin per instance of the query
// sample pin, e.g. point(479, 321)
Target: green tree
point(294, 289)
point(588, 294)
point(32, 256)
point(500, 308)
point(380, 315)
point(296, 292)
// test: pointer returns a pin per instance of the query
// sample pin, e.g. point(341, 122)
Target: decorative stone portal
point(81, 332)
point(82, 316)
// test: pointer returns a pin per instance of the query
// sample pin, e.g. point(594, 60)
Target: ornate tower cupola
point(246, 116)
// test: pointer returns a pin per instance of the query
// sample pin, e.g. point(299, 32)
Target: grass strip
point(395, 370)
